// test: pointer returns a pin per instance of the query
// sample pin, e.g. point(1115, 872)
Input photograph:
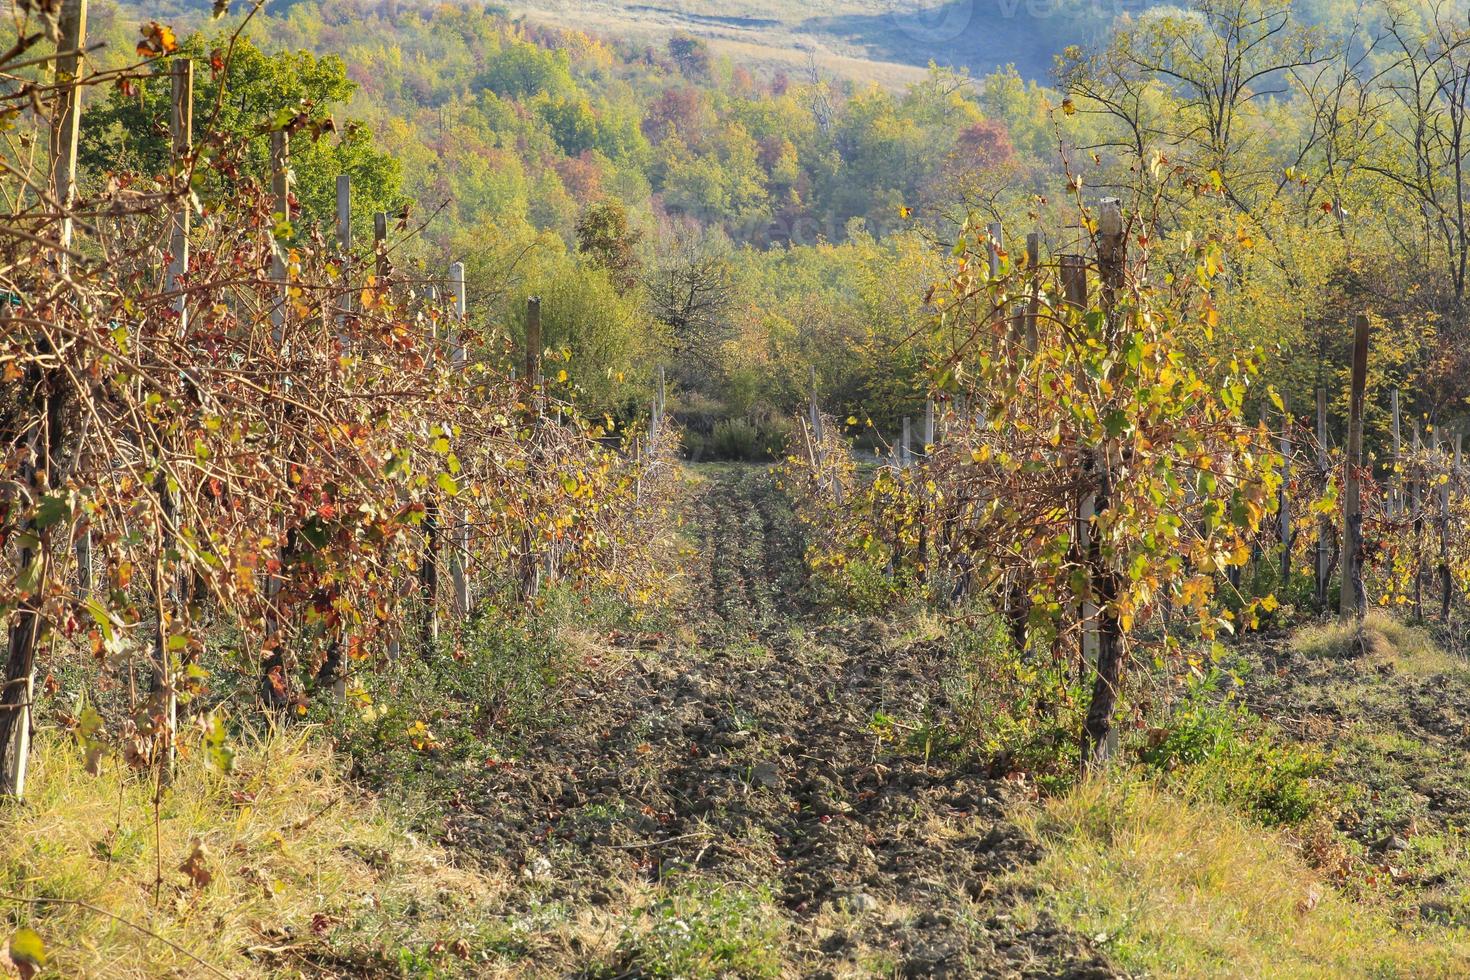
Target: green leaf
point(220, 755)
point(315, 532)
point(54, 508)
point(26, 947)
point(448, 484)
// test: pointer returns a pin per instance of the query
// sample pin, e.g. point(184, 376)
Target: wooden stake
point(1326, 533)
point(1445, 581)
point(1033, 304)
point(533, 342)
point(1284, 495)
point(380, 244)
point(459, 566)
point(168, 597)
point(1353, 601)
point(1100, 737)
point(1416, 502)
point(344, 248)
point(1396, 478)
point(181, 125)
point(281, 193)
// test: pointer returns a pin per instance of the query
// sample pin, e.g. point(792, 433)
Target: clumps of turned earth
point(1390, 707)
point(755, 801)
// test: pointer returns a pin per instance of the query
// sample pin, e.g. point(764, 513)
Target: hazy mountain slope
point(888, 41)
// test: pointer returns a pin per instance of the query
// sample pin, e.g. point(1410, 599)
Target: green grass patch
point(1213, 749)
point(699, 928)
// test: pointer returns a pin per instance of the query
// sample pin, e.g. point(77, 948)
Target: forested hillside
point(734, 491)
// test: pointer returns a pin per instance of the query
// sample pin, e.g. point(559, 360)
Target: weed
point(1021, 711)
point(1212, 748)
point(700, 928)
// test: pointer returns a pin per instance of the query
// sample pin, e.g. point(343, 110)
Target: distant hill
point(889, 41)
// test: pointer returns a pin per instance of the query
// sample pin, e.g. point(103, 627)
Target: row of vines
point(1095, 470)
point(229, 430)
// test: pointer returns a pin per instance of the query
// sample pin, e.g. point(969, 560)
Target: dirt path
point(741, 799)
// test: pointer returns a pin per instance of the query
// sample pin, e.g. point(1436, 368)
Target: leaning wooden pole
point(1353, 601)
point(26, 619)
point(168, 592)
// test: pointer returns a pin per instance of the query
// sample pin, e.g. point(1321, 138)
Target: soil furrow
point(750, 758)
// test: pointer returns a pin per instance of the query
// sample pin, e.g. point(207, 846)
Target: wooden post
point(380, 245)
point(1416, 502)
point(459, 565)
point(533, 342)
point(271, 691)
point(1100, 738)
point(66, 120)
point(921, 491)
point(530, 584)
point(181, 125)
point(26, 620)
point(380, 273)
point(1396, 478)
point(995, 247)
point(167, 595)
point(281, 194)
point(816, 415)
point(1352, 602)
point(429, 577)
point(1449, 489)
point(1445, 581)
point(1284, 496)
point(663, 394)
point(1074, 280)
point(1326, 534)
point(1033, 304)
point(1074, 292)
point(344, 247)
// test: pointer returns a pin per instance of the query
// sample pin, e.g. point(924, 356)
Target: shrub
point(1020, 710)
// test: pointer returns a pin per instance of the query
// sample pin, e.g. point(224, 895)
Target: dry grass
point(1169, 888)
point(1384, 641)
point(304, 874)
point(758, 46)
